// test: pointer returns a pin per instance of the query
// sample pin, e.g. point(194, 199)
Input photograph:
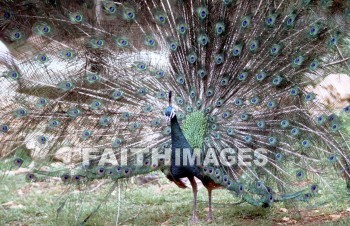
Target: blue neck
point(178, 139)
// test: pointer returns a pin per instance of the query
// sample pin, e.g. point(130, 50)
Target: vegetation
point(157, 203)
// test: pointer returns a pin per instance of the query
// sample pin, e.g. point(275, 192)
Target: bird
point(214, 77)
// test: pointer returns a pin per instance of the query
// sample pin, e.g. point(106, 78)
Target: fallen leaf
point(285, 218)
point(283, 210)
point(12, 205)
point(335, 216)
point(207, 209)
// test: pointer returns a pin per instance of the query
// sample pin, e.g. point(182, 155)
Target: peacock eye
point(4, 128)
point(7, 15)
point(278, 156)
point(305, 143)
point(30, 177)
point(160, 73)
point(347, 109)
point(219, 103)
point(332, 40)
point(112, 9)
point(314, 188)
point(258, 184)
point(99, 42)
point(18, 162)
point(269, 190)
point(238, 102)
point(270, 197)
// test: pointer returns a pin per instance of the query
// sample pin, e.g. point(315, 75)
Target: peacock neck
point(178, 139)
point(179, 143)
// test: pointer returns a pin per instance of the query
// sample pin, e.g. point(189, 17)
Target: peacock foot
point(194, 220)
point(210, 218)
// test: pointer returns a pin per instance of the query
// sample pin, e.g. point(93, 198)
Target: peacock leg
point(210, 213)
point(194, 218)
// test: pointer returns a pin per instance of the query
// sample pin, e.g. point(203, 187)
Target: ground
point(154, 203)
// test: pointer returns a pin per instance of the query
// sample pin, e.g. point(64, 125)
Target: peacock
point(178, 86)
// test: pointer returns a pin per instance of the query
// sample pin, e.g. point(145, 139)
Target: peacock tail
point(95, 76)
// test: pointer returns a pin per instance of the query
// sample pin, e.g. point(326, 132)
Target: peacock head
point(169, 113)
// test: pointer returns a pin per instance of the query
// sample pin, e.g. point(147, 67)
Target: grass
point(160, 203)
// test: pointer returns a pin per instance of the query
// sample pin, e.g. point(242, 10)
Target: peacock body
point(96, 76)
